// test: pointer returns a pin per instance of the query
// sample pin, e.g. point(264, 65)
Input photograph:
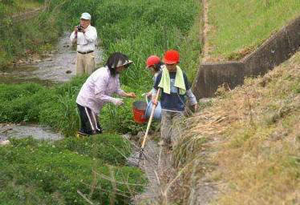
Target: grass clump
point(109, 148)
point(33, 171)
point(238, 27)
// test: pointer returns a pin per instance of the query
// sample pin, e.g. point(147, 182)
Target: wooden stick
point(150, 120)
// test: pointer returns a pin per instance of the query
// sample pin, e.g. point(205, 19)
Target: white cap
point(85, 16)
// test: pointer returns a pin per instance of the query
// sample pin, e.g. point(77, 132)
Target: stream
point(57, 67)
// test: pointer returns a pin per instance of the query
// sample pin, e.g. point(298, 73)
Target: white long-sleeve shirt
point(85, 41)
point(98, 88)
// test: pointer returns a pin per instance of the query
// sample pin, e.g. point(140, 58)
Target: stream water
point(22, 131)
point(57, 67)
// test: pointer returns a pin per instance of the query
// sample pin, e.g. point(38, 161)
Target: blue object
point(157, 112)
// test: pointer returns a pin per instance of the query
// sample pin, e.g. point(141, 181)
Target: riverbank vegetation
point(21, 38)
point(44, 172)
point(13, 7)
point(238, 27)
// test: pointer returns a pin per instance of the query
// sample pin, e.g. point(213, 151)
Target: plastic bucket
point(139, 108)
point(157, 112)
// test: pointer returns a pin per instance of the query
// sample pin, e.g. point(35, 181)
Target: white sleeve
point(73, 37)
point(191, 97)
point(119, 90)
point(91, 35)
point(100, 87)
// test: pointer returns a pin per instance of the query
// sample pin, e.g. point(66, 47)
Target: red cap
point(171, 57)
point(152, 60)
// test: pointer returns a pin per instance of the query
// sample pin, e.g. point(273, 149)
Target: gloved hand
point(118, 102)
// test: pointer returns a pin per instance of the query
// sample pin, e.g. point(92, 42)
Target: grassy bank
point(250, 150)
point(238, 27)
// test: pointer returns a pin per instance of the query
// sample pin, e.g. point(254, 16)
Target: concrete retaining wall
point(273, 52)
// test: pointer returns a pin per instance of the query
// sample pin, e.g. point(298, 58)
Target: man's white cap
point(85, 16)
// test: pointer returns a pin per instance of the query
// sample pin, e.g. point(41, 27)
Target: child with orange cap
point(175, 89)
point(154, 64)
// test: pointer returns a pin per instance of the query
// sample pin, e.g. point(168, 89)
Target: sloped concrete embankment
point(277, 49)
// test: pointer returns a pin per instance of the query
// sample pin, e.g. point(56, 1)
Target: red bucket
point(139, 108)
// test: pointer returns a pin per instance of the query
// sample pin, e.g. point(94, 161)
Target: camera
point(79, 28)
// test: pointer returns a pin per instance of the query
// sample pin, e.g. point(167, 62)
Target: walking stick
point(148, 126)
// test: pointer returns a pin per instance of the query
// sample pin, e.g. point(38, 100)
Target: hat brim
point(169, 62)
point(128, 62)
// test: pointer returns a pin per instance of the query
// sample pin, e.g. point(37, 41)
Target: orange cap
point(171, 57)
point(152, 60)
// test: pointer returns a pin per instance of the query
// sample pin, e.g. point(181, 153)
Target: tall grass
point(237, 27)
point(251, 154)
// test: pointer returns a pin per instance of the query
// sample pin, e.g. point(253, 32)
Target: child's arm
point(154, 98)
point(192, 99)
point(154, 91)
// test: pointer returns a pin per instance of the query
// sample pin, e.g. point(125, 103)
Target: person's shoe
point(81, 134)
point(97, 132)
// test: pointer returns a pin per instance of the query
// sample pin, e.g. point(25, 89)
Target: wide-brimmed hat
point(127, 62)
point(86, 16)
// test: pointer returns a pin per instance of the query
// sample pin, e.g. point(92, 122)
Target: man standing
point(85, 36)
